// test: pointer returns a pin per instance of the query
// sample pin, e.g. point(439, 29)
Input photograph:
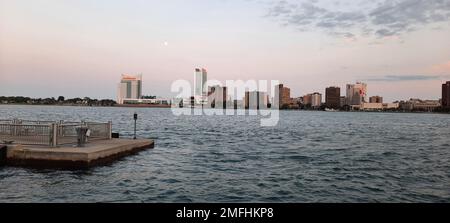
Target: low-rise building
point(378, 106)
point(419, 105)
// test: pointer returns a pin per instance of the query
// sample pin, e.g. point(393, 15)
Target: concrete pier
point(93, 154)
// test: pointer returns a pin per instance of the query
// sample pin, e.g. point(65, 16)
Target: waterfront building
point(157, 102)
point(446, 95)
point(371, 106)
point(130, 87)
point(376, 99)
point(316, 100)
point(391, 106)
point(217, 97)
point(378, 106)
point(282, 97)
point(419, 105)
point(256, 100)
point(356, 93)
point(333, 97)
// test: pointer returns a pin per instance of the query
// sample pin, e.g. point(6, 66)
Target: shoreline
point(95, 106)
point(169, 107)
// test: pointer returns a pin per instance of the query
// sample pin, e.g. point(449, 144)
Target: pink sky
point(80, 48)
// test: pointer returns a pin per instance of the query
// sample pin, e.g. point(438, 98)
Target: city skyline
point(52, 48)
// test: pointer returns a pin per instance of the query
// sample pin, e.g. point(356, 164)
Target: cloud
point(382, 18)
point(397, 78)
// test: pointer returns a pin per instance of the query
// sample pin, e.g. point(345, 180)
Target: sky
point(78, 48)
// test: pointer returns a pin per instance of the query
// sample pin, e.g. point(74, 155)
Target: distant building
point(297, 101)
point(378, 106)
point(343, 101)
point(356, 93)
point(130, 87)
point(238, 104)
point(446, 95)
point(201, 77)
point(307, 99)
point(256, 100)
point(148, 102)
point(419, 105)
point(217, 97)
point(376, 99)
point(333, 97)
point(282, 96)
point(371, 106)
point(316, 100)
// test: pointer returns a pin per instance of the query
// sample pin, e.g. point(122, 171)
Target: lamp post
point(135, 120)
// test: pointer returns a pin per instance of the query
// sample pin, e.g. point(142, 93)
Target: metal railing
point(47, 133)
point(5, 121)
point(26, 134)
point(99, 131)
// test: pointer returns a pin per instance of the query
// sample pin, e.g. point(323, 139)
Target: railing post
point(110, 130)
point(15, 123)
point(60, 129)
point(54, 142)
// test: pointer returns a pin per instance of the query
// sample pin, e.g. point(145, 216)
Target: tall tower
point(356, 93)
point(282, 96)
point(446, 95)
point(201, 77)
point(333, 97)
point(130, 87)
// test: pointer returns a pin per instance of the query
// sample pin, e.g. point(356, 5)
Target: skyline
point(80, 48)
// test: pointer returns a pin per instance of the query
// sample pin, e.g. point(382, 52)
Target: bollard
point(135, 117)
point(81, 136)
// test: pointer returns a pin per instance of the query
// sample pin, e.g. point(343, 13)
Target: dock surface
point(93, 154)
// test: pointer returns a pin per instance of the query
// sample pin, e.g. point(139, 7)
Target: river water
point(307, 157)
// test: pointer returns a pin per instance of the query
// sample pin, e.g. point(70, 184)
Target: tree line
point(61, 100)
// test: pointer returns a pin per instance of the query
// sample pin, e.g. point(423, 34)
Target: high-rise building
point(446, 95)
point(316, 100)
point(130, 87)
point(376, 99)
point(217, 97)
point(201, 77)
point(256, 100)
point(282, 96)
point(333, 97)
point(307, 99)
point(356, 93)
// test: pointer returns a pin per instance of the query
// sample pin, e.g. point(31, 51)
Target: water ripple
point(308, 157)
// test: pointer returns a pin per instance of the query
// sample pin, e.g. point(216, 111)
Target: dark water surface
point(308, 157)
